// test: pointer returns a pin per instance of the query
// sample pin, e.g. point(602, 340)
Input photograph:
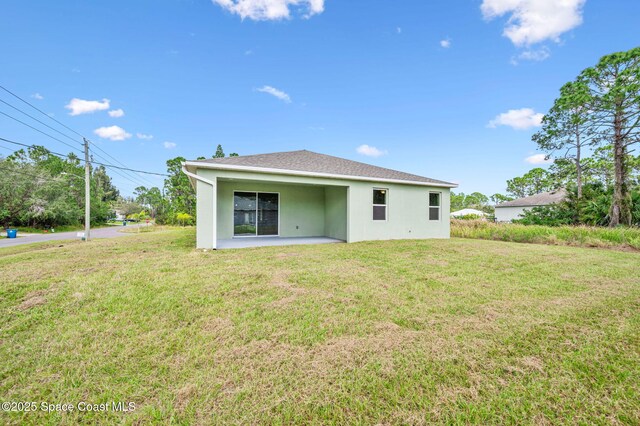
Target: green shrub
point(184, 219)
point(470, 217)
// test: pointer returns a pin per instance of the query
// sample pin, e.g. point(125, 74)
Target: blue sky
point(426, 86)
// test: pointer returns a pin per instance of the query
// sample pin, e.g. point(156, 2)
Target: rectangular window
point(255, 213)
point(379, 204)
point(434, 206)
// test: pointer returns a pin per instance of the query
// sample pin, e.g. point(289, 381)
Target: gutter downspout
point(196, 177)
point(213, 196)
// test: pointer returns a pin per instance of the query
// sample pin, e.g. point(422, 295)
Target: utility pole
point(87, 189)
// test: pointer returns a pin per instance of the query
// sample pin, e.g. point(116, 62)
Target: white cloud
point(81, 106)
point(370, 151)
point(116, 113)
point(144, 136)
point(37, 96)
point(265, 10)
point(520, 119)
point(399, 30)
point(275, 92)
point(169, 145)
point(538, 159)
point(536, 55)
point(446, 43)
point(114, 133)
point(534, 21)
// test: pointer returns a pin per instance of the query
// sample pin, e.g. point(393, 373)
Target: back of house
point(306, 194)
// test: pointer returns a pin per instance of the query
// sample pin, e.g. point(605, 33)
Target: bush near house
point(184, 219)
point(470, 217)
point(587, 236)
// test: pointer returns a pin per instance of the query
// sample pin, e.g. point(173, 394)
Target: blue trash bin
point(12, 233)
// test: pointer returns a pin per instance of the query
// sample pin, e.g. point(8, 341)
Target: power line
point(28, 174)
point(66, 127)
point(130, 170)
point(93, 162)
point(64, 157)
point(39, 110)
point(44, 124)
point(33, 146)
point(38, 130)
point(105, 164)
point(122, 164)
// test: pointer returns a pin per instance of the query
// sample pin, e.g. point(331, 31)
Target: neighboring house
point(468, 212)
point(510, 210)
point(305, 194)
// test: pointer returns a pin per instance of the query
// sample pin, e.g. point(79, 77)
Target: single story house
point(510, 210)
point(306, 194)
point(468, 212)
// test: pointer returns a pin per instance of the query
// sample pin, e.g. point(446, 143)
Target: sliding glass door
point(255, 213)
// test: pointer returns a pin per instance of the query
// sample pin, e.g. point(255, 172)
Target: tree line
point(41, 190)
point(591, 132)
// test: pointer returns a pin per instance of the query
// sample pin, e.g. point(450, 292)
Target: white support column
point(206, 214)
point(206, 210)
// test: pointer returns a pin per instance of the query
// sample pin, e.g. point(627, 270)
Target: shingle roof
point(312, 162)
point(542, 199)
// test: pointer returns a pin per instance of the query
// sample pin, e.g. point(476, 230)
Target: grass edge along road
point(397, 332)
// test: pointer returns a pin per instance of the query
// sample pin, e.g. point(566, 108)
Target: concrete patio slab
point(273, 241)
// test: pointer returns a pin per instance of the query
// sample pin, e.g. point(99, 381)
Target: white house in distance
point(510, 210)
point(468, 212)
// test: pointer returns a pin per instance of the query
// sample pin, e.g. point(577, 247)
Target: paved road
point(109, 232)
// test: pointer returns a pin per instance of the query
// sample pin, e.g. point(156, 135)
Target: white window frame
point(386, 205)
point(439, 207)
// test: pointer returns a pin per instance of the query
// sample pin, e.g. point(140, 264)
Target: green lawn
point(396, 332)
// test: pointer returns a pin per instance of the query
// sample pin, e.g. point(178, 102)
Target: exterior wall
point(335, 212)
point(407, 213)
point(337, 208)
point(507, 214)
point(301, 209)
point(206, 209)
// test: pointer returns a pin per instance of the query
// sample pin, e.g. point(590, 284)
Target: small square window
point(379, 196)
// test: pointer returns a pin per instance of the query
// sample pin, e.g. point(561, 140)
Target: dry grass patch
point(35, 298)
point(396, 332)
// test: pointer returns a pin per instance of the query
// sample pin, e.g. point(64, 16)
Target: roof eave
point(196, 164)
